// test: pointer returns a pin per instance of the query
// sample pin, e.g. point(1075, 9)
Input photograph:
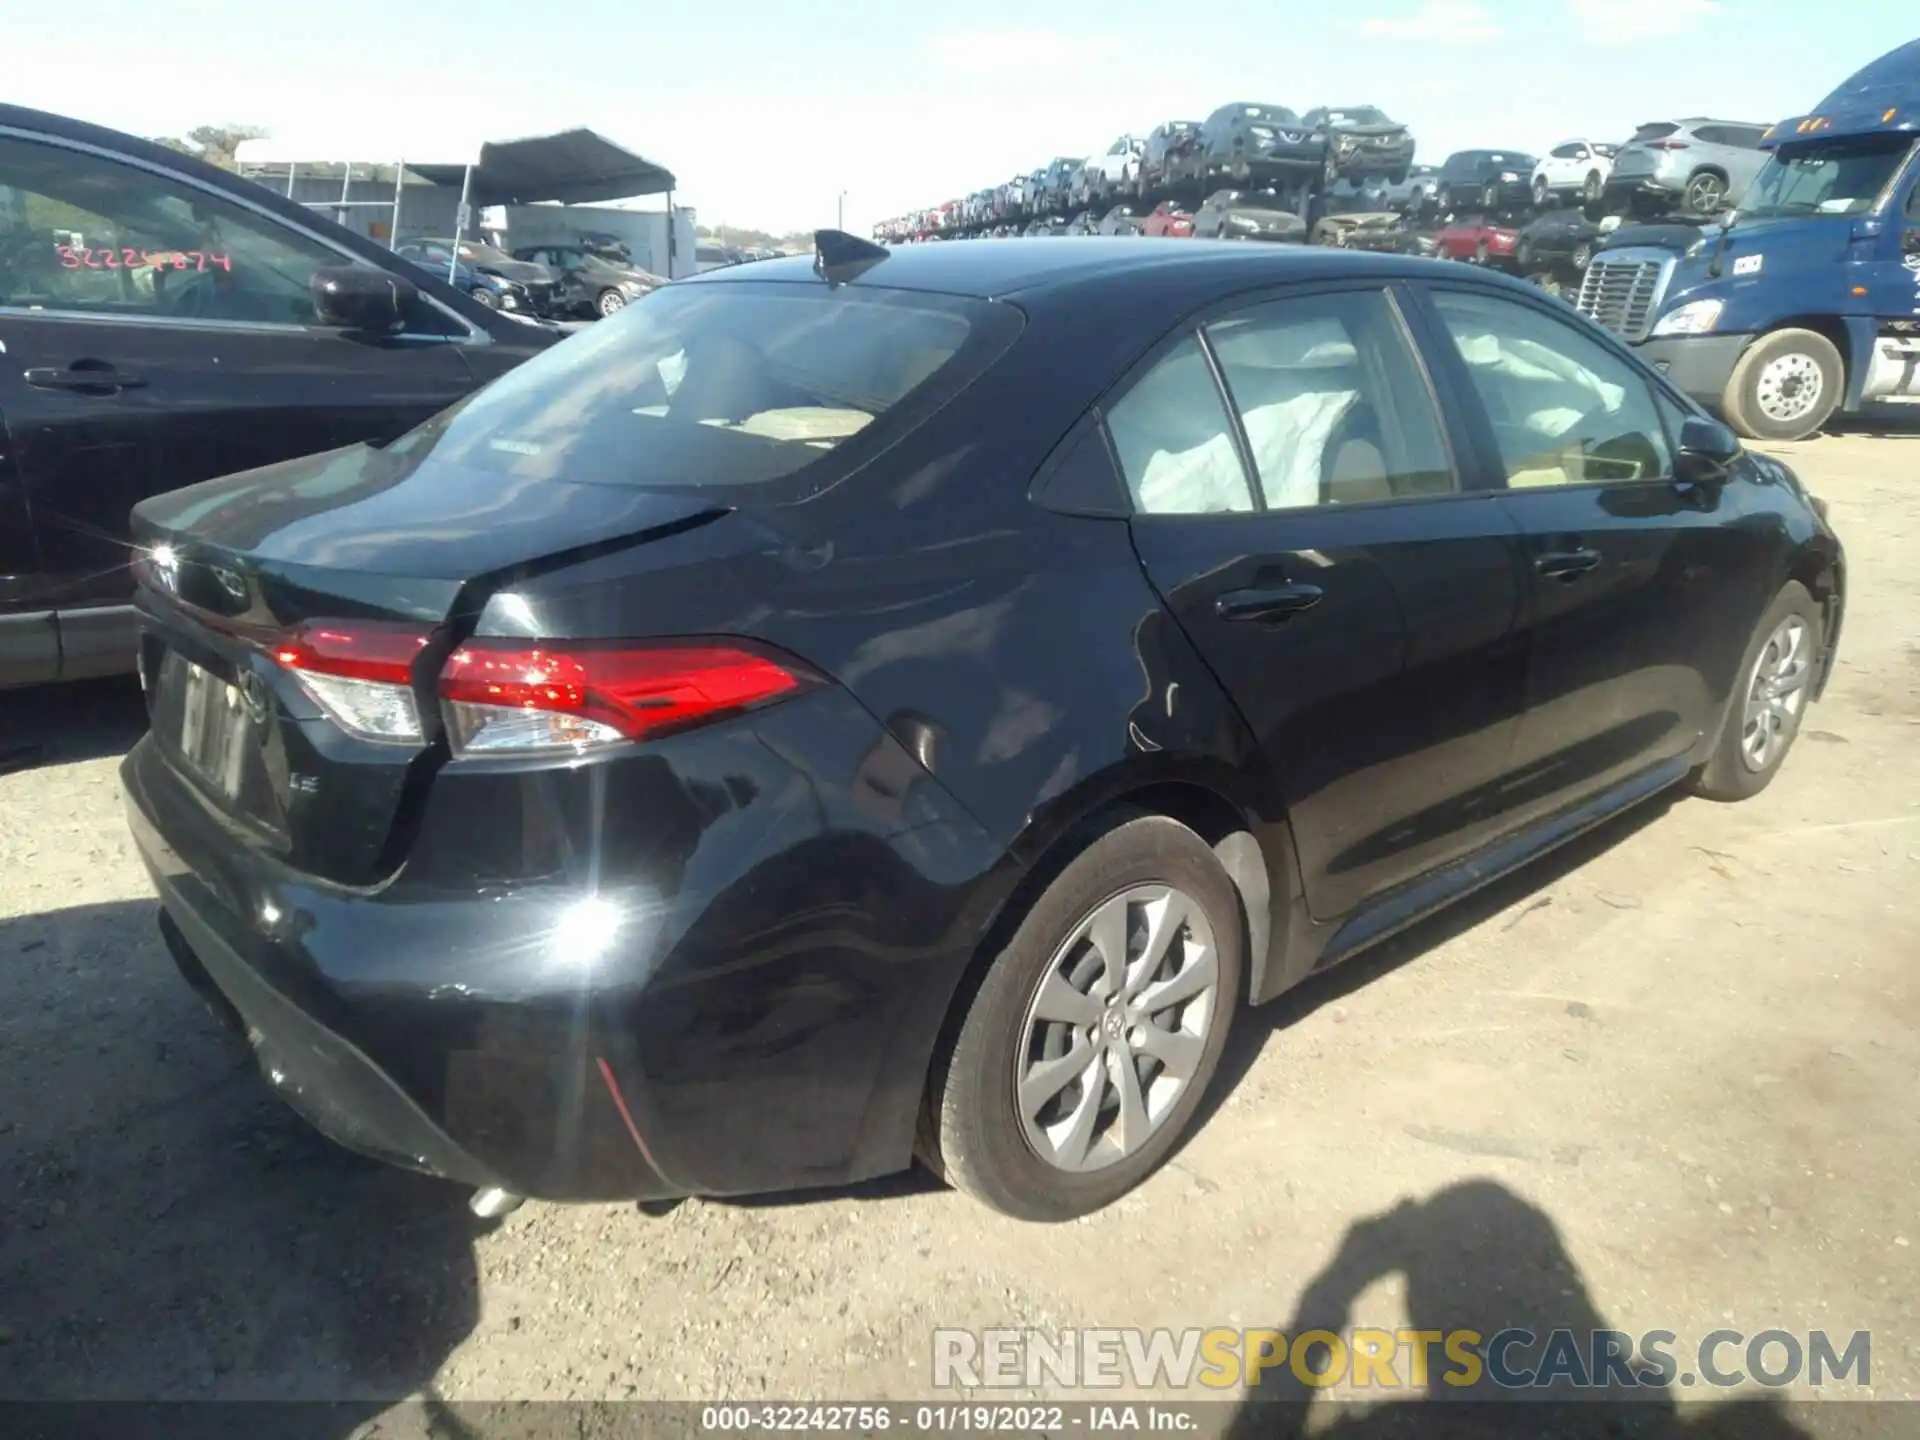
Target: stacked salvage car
point(1346, 176)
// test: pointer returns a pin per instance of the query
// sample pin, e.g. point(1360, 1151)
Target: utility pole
point(840, 212)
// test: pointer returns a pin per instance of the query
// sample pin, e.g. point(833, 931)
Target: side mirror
point(1707, 451)
point(361, 298)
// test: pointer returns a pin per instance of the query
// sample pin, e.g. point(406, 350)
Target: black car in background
point(1487, 180)
point(163, 322)
point(820, 718)
point(1252, 143)
point(1124, 219)
point(541, 284)
point(1248, 215)
point(1559, 239)
point(1171, 152)
point(1363, 141)
point(591, 283)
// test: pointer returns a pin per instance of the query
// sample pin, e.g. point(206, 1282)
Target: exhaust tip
point(493, 1202)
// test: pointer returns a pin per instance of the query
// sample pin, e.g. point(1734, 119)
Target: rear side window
point(727, 385)
point(1659, 131)
point(1175, 442)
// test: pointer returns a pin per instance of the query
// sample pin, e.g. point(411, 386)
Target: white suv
point(1574, 167)
point(1120, 164)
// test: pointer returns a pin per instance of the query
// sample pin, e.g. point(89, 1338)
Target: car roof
point(1038, 267)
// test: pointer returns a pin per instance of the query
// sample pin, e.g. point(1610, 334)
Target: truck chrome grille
point(1623, 290)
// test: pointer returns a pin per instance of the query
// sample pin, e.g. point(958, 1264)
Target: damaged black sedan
point(893, 704)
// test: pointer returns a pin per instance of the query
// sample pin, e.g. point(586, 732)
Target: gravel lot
point(1665, 1079)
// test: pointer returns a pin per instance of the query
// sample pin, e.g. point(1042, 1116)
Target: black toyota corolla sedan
point(908, 703)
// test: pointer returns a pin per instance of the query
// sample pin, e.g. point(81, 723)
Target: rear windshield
point(1655, 132)
point(726, 385)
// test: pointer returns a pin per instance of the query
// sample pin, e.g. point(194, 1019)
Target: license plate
point(208, 723)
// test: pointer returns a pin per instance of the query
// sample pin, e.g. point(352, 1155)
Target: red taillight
point(361, 673)
point(506, 696)
point(353, 649)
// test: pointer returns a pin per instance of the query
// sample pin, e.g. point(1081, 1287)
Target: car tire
point(609, 302)
point(1771, 692)
point(1523, 255)
point(1490, 198)
point(1706, 189)
point(485, 299)
point(1594, 188)
point(976, 1132)
point(1582, 255)
point(1480, 255)
point(1785, 387)
point(1542, 192)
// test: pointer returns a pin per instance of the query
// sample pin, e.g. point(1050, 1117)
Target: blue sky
point(768, 109)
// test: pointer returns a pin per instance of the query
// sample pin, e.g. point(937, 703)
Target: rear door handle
point(85, 377)
point(1277, 603)
point(1565, 564)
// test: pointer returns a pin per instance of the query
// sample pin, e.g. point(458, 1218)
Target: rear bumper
point(1701, 365)
point(762, 1020)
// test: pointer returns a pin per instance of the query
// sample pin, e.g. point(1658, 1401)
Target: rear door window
point(727, 385)
point(1332, 402)
point(1659, 131)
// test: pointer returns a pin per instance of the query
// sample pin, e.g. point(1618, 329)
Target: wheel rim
point(611, 301)
point(1776, 693)
point(1115, 1032)
point(1705, 191)
point(1790, 387)
point(1582, 257)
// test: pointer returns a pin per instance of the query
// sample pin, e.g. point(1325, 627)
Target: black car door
point(1299, 511)
point(159, 332)
point(29, 640)
point(1642, 590)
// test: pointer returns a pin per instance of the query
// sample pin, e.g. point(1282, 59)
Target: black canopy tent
point(571, 167)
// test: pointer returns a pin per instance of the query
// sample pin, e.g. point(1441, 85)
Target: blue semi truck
point(1805, 302)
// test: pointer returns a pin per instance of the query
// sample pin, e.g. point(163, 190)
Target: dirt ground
point(1665, 1079)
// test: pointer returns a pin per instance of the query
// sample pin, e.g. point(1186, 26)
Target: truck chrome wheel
point(1776, 693)
point(1117, 1028)
point(1790, 388)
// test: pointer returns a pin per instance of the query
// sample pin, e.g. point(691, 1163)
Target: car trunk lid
point(274, 598)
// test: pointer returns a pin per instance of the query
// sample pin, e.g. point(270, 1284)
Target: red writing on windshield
point(129, 257)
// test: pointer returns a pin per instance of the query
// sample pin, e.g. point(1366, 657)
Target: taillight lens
point(361, 673)
point(506, 697)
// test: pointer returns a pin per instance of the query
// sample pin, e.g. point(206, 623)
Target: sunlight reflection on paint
point(585, 930)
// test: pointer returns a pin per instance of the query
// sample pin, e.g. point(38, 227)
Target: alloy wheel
point(611, 302)
point(1704, 193)
point(1776, 694)
point(1117, 1028)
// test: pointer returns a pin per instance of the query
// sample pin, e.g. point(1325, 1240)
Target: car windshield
point(1845, 177)
point(721, 385)
point(1359, 115)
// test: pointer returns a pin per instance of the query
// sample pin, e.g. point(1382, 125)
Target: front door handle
point(1565, 565)
point(1278, 603)
point(85, 377)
